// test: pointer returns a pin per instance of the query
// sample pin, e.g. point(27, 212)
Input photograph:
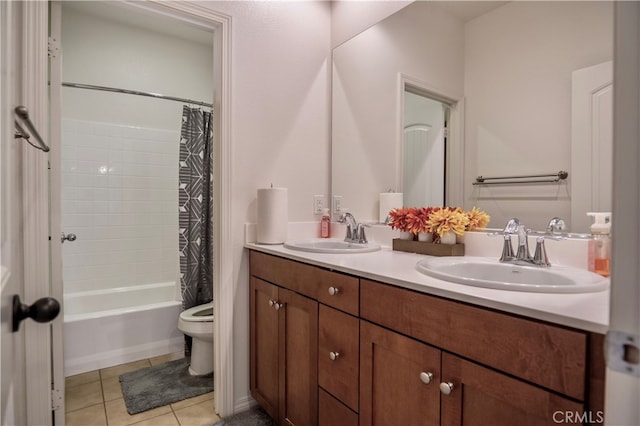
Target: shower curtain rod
point(135, 92)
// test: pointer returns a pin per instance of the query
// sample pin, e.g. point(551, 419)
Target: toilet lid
point(200, 313)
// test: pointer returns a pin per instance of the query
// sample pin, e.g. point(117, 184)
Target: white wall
point(120, 152)
point(507, 79)
point(280, 127)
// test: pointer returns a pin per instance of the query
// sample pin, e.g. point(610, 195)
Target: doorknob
point(42, 310)
point(68, 237)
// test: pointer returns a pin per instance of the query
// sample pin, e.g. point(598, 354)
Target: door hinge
point(53, 47)
point(57, 400)
point(623, 352)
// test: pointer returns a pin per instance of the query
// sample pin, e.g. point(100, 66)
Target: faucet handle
point(556, 224)
point(507, 249)
point(360, 236)
point(540, 256)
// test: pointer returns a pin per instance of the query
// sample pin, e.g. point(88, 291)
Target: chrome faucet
point(522, 255)
point(355, 230)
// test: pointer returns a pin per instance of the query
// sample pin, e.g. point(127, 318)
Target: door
point(13, 409)
point(591, 143)
point(399, 379)
point(475, 395)
point(263, 331)
point(298, 367)
point(24, 210)
point(623, 363)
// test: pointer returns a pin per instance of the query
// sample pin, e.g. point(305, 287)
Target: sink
point(490, 273)
point(332, 245)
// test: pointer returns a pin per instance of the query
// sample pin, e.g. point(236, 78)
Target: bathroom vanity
point(338, 341)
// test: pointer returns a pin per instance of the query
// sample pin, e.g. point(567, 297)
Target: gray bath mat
point(162, 384)
point(253, 417)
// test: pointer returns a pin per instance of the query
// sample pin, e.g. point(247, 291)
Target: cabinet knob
point(426, 377)
point(271, 303)
point(446, 388)
point(334, 355)
point(333, 291)
point(277, 306)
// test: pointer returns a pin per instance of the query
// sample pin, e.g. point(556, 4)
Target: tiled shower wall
point(119, 196)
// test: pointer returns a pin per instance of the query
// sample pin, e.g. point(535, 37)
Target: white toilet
point(197, 322)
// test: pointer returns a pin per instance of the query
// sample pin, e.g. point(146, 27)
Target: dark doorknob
point(42, 310)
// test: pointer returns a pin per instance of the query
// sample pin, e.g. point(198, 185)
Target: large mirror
point(506, 71)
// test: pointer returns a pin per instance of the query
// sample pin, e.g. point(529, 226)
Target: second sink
point(323, 245)
point(490, 273)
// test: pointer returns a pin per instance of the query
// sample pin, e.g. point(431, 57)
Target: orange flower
point(477, 219)
point(448, 219)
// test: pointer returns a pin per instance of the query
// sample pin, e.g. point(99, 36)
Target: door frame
point(223, 294)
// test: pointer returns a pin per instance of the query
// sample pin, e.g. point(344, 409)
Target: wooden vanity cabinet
point(330, 349)
point(297, 344)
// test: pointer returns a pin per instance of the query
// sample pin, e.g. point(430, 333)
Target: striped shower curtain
point(195, 209)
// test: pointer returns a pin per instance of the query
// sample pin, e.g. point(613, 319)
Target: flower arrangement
point(477, 219)
point(439, 221)
point(448, 219)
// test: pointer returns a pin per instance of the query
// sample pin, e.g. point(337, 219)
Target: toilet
point(197, 322)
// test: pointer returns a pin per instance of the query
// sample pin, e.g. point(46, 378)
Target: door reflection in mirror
point(424, 149)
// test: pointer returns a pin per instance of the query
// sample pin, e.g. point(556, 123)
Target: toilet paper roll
point(273, 215)
point(388, 202)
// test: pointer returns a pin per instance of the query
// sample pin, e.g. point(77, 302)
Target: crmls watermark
point(577, 417)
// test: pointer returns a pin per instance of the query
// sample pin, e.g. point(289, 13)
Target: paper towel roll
point(388, 202)
point(273, 215)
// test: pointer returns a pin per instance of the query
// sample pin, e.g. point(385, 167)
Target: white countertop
point(585, 311)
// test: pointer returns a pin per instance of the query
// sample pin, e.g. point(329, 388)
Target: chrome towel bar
point(23, 114)
point(514, 180)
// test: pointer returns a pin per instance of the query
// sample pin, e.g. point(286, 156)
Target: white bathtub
point(103, 328)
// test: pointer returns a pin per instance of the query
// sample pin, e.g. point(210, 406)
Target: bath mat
point(162, 384)
point(254, 417)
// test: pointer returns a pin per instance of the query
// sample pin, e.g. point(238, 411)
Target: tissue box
point(430, 249)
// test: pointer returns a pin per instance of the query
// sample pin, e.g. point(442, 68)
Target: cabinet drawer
point(331, 412)
point(338, 355)
point(311, 281)
point(550, 356)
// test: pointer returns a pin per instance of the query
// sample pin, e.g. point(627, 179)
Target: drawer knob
point(426, 377)
point(333, 291)
point(334, 355)
point(446, 388)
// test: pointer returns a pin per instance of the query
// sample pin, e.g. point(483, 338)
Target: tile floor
point(95, 399)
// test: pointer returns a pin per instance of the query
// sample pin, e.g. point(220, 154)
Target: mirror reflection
point(507, 73)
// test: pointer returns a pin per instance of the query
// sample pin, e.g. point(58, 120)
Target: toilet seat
point(200, 313)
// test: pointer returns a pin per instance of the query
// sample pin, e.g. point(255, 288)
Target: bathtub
point(103, 328)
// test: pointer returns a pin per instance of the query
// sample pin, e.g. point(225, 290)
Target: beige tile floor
point(95, 399)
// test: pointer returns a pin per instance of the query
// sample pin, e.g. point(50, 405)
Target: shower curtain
point(195, 209)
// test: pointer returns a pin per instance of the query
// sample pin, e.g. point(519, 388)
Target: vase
point(449, 238)
point(426, 237)
point(406, 235)
point(460, 239)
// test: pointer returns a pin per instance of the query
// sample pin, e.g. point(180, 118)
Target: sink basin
point(323, 245)
point(490, 273)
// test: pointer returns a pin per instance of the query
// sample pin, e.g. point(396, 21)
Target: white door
point(623, 367)
point(591, 143)
point(24, 253)
point(13, 408)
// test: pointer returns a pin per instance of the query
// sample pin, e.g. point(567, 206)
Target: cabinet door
point(481, 396)
point(399, 379)
point(298, 367)
point(264, 345)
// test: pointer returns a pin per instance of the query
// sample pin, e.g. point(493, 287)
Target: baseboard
point(73, 366)
point(244, 404)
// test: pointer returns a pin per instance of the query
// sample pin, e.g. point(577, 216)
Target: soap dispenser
point(325, 224)
point(599, 257)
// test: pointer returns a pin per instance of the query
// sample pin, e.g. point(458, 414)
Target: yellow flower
point(447, 220)
point(477, 219)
